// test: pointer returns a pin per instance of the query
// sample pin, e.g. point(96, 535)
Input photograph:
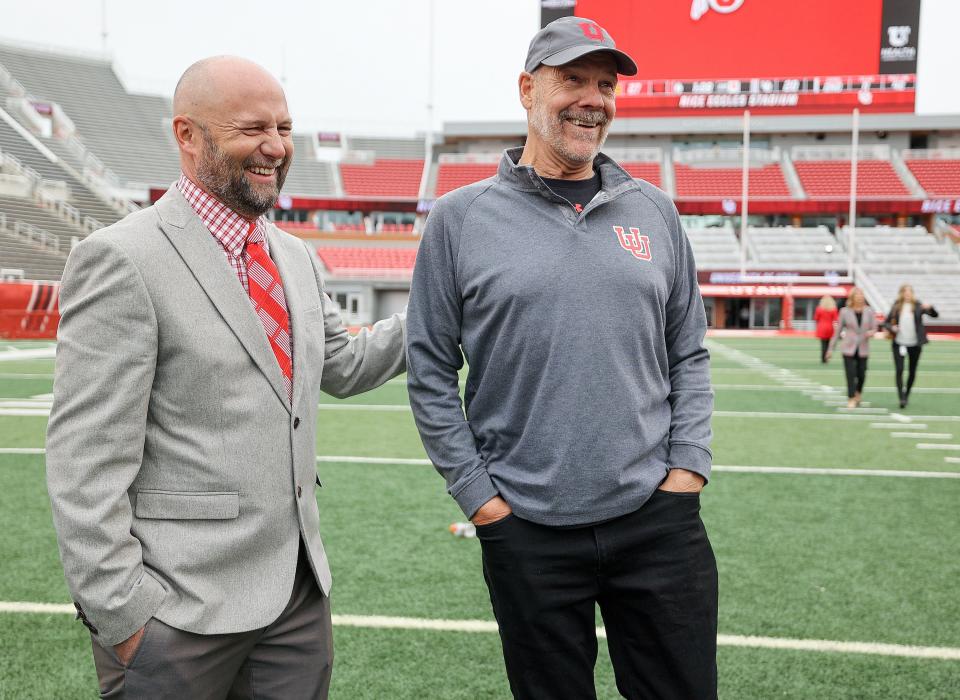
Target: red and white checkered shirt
point(227, 226)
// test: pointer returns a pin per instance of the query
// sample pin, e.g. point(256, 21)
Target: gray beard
point(224, 179)
point(549, 129)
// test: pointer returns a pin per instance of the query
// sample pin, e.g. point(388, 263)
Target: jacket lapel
point(285, 261)
point(205, 258)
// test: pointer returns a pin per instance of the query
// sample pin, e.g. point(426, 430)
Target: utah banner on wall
point(717, 57)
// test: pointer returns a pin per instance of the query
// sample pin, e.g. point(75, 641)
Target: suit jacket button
point(299, 491)
point(296, 422)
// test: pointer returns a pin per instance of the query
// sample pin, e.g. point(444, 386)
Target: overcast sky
point(351, 65)
point(361, 66)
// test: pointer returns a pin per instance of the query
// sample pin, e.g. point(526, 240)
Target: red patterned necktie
point(270, 304)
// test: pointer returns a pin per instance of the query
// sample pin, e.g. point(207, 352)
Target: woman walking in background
point(905, 323)
point(826, 316)
point(856, 324)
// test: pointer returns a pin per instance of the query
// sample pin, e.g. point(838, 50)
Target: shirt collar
point(613, 178)
point(229, 228)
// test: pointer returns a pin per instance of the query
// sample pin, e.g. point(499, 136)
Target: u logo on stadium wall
point(700, 7)
point(632, 242)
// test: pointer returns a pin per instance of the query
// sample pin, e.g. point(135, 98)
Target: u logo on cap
point(592, 30)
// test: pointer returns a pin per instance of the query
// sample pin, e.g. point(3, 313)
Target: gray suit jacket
point(852, 335)
point(180, 476)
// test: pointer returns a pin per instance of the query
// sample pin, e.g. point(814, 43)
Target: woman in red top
point(826, 317)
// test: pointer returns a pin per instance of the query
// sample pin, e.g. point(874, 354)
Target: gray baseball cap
point(567, 39)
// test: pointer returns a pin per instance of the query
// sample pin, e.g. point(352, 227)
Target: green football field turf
point(802, 556)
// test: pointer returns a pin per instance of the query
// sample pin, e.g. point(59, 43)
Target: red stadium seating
point(450, 176)
point(647, 170)
point(354, 259)
point(359, 228)
point(384, 178)
point(712, 183)
point(297, 226)
point(397, 228)
point(827, 179)
point(938, 178)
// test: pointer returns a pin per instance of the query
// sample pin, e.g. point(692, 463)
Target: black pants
point(824, 344)
point(856, 369)
point(654, 576)
point(913, 354)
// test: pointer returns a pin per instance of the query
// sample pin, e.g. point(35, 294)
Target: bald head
point(234, 132)
point(215, 82)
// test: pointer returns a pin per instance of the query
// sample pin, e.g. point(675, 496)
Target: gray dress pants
point(291, 658)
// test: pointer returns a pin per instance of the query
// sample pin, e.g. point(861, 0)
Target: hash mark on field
point(490, 627)
point(936, 446)
point(928, 436)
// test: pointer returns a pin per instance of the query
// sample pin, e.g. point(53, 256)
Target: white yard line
point(490, 627)
point(46, 353)
point(31, 376)
point(745, 469)
point(372, 460)
point(925, 436)
point(899, 426)
point(952, 460)
point(735, 468)
point(812, 471)
point(364, 407)
point(936, 446)
point(824, 416)
point(401, 408)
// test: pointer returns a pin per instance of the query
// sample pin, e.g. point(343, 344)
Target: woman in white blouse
point(905, 323)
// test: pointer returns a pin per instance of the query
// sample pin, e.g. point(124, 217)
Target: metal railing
point(729, 154)
point(930, 154)
point(36, 235)
point(840, 152)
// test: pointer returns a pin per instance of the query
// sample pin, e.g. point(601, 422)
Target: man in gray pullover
point(571, 290)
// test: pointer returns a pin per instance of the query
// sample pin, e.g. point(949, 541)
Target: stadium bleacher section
point(452, 174)
point(382, 167)
point(137, 147)
point(715, 248)
point(705, 182)
point(383, 177)
point(795, 249)
point(649, 171)
point(888, 257)
point(350, 261)
point(831, 179)
point(307, 175)
point(78, 194)
point(937, 171)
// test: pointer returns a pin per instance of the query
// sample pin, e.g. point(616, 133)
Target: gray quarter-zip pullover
point(588, 379)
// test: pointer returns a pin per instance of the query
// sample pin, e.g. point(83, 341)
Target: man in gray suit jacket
point(194, 341)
